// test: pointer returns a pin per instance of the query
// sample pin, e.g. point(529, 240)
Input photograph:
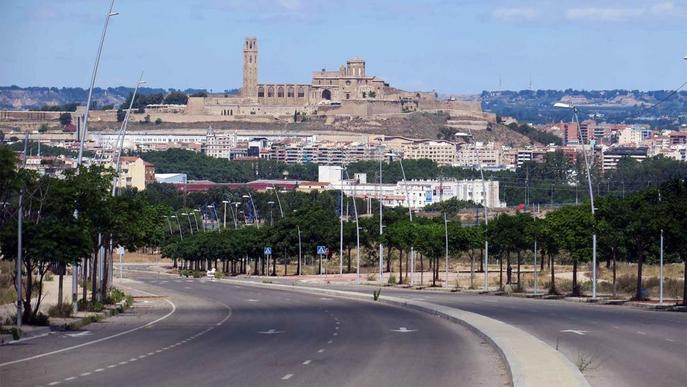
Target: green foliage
point(65, 119)
point(176, 98)
point(199, 166)
point(535, 135)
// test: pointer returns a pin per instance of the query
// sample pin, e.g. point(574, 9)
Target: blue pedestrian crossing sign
point(321, 250)
point(268, 250)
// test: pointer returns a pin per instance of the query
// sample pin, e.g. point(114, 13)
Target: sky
point(451, 46)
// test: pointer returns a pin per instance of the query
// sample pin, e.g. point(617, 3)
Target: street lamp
point(410, 214)
point(300, 265)
point(255, 211)
point(485, 206)
point(213, 209)
point(561, 105)
point(381, 225)
point(357, 232)
point(271, 203)
point(195, 210)
point(188, 216)
point(82, 138)
point(236, 210)
point(83, 133)
point(225, 213)
point(181, 234)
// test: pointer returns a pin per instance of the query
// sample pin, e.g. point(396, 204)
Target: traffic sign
point(321, 250)
point(120, 250)
point(268, 250)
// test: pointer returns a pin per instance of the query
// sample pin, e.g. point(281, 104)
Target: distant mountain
point(659, 108)
point(33, 98)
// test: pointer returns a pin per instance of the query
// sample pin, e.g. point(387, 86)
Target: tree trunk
point(541, 263)
point(501, 272)
point(388, 260)
point(481, 261)
point(422, 269)
point(85, 280)
point(435, 269)
point(26, 313)
point(519, 262)
point(400, 266)
point(94, 275)
point(472, 270)
point(614, 272)
point(552, 286)
point(60, 291)
point(640, 264)
point(684, 288)
point(509, 269)
point(349, 260)
point(575, 288)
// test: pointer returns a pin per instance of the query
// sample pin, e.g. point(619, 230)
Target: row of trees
point(66, 222)
point(628, 230)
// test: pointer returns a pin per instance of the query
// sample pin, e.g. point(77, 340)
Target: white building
point(171, 178)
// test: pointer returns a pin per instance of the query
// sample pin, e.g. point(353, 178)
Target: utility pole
point(20, 251)
point(83, 133)
point(341, 224)
point(381, 225)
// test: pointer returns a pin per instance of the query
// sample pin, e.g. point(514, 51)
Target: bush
point(57, 311)
point(116, 296)
point(89, 306)
point(14, 331)
point(40, 319)
point(372, 277)
point(198, 274)
point(158, 121)
point(219, 275)
point(392, 279)
point(49, 277)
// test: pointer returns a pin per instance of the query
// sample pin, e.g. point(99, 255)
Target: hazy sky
point(453, 46)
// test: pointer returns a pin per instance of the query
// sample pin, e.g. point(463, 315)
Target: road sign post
point(268, 255)
point(120, 252)
point(321, 250)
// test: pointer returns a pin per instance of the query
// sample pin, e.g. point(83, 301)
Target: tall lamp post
point(225, 202)
point(181, 234)
point(195, 210)
point(236, 210)
point(381, 225)
point(188, 216)
point(271, 203)
point(82, 138)
point(561, 105)
point(410, 214)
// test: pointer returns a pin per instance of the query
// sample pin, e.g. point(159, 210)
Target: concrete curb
point(530, 361)
point(77, 323)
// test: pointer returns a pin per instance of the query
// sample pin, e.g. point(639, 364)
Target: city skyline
point(472, 43)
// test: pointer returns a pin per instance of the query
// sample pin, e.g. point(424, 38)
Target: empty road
point(197, 332)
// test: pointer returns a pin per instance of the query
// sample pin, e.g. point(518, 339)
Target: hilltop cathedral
point(346, 91)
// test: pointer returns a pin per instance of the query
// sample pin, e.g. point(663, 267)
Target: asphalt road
point(204, 333)
point(626, 346)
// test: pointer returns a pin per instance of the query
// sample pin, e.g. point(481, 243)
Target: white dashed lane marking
point(320, 350)
point(286, 377)
point(306, 362)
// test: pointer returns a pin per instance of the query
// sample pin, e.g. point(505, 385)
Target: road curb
point(530, 361)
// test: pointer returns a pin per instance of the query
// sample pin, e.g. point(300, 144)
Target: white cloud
point(604, 14)
point(665, 7)
point(514, 14)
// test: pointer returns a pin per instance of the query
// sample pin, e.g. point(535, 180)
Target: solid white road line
point(174, 308)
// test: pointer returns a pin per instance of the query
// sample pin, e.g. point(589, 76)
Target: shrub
point(372, 277)
point(57, 311)
point(219, 275)
point(198, 274)
point(392, 279)
point(116, 296)
point(49, 277)
point(376, 293)
point(89, 306)
point(40, 319)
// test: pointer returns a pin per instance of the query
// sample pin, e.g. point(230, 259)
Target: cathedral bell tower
point(250, 68)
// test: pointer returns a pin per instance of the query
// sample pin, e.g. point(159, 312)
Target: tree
point(121, 114)
point(176, 98)
point(65, 119)
point(572, 226)
point(673, 209)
